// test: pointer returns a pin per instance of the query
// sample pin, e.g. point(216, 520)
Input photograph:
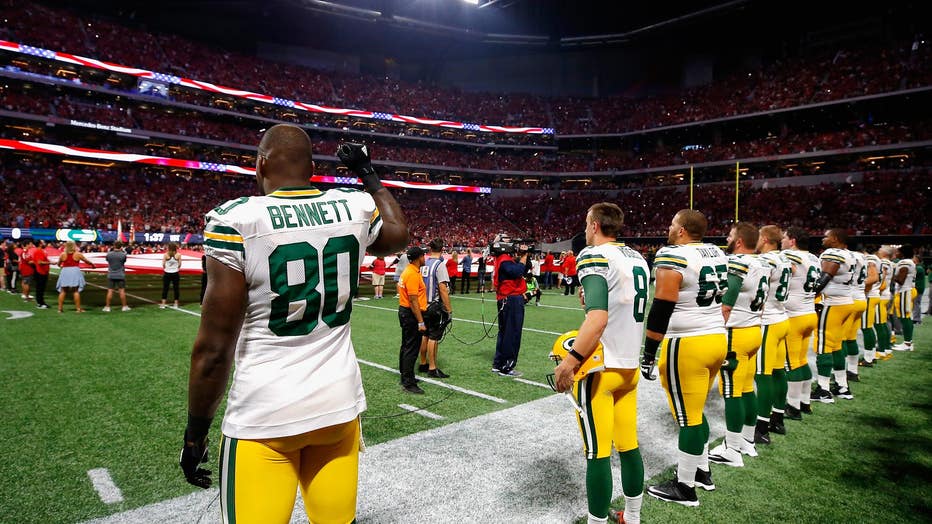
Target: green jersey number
point(862, 275)
point(783, 289)
point(220, 210)
point(763, 286)
point(812, 278)
point(713, 282)
point(301, 293)
point(640, 293)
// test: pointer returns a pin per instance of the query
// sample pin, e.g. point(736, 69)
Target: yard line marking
point(137, 297)
point(531, 382)
point(459, 297)
point(464, 320)
point(108, 491)
point(420, 412)
point(16, 315)
point(437, 383)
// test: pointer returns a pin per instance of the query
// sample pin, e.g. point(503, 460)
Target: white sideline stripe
point(108, 491)
point(437, 383)
point(542, 305)
point(419, 411)
point(137, 297)
point(463, 320)
point(531, 382)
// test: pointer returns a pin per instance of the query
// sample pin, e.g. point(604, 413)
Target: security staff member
point(412, 305)
point(509, 292)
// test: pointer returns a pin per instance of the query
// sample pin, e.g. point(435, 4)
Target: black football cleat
point(674, 491)
point(793, 413)
point(821, 395)
point(805, 408)
point(704, 480)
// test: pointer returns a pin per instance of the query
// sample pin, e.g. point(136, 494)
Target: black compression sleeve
point(823, 281)
point(659, 317)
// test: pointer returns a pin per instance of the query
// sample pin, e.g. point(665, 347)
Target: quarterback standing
point(615, 284)
point(283, 269)
point(685, 322)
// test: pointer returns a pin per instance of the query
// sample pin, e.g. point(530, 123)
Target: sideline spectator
point(378, 275)
point(71, 279)
point(412, 305)
point(466, 273)
point(116, 275)
point(42, 265)
point(171, 267)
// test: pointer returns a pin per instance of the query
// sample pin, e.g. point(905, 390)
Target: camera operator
point(510, 287)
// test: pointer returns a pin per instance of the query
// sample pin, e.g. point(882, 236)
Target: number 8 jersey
point(299, 250)
point(705, 278)
point(626, 277)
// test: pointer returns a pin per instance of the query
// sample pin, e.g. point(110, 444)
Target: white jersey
point(705, 278)
point(910, 281)
point(886, 278)
point(803, 282)
point(781, 271)
point(873, 260)
point(628, 280)
point(838, 290)
point(300, 250)
point(860, 276)
point(755, 282)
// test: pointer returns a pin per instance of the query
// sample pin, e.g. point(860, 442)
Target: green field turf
point(108, 390)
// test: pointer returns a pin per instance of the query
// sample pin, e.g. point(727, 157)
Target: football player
point(615, 280)
point(283, 268)
point(859, 293)
point(686, 324)
point(905, 277)
point(800, 308)
point(881, 324)
point(772, 360)
point(837, 307)
point(742, 307)
point(871, 316)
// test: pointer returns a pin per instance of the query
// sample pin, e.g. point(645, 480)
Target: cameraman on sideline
point(510, 287)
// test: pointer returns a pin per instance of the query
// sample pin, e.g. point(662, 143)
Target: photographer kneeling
point(509, 291)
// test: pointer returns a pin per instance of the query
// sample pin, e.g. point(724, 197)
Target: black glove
point(731, 361)
point(648, 366)
point(649, 358)
point(194, 452)
point(356, 158)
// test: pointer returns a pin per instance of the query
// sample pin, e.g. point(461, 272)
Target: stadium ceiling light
point(473, 2)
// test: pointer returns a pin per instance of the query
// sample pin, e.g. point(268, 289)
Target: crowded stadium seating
point(792, 81)
point(223, 129)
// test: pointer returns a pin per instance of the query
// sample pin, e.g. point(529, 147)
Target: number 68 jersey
point(300, 251)
point(705, 279)
point(624, 296)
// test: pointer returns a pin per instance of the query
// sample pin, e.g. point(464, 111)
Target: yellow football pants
point(259, 478)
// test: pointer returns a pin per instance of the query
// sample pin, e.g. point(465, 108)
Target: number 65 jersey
point(705, 279)
point(623, 295)
point(299, 250)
